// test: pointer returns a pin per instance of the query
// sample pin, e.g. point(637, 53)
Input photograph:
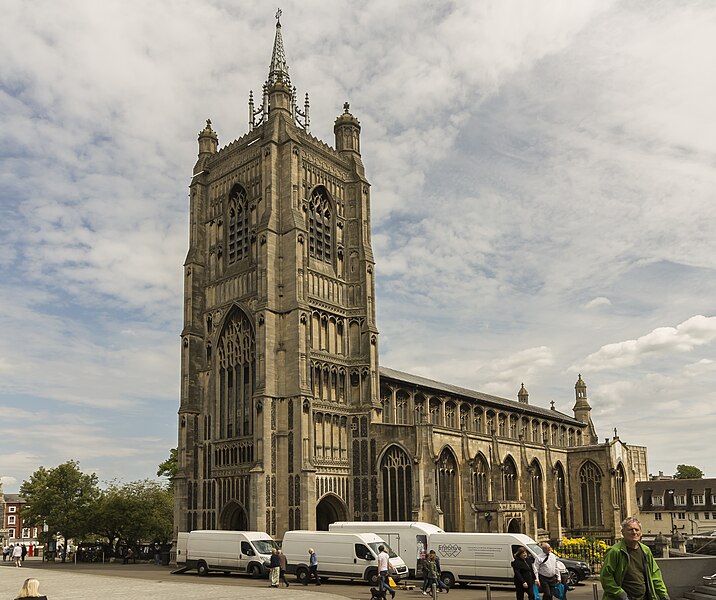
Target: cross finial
point(278, 16)
point(346, 106)
point(208, 123)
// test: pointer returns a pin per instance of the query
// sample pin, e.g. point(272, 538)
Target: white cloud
point(686, 336)
point(597, 302)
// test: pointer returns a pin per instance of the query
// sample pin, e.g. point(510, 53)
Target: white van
point(479, 557)
point(408, 538)
point(228, 551)
point(345, 555)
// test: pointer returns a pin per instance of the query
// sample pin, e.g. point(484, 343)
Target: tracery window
point(435, 410)
point(448, 493)
point(590, 480)
point(402, 408)
point(561, 489)
point(513, 426)
point(450, 415)
point(502, 420)
point(477, 420)
point(386, 395)
point(480, 480)
point(397, 477)
point(239, 223)
point(419, 409)
point(465, 417)
point(490, 422)
point(320, 226)
point(537, 492)
point(509, 479)
point(235, 371)
point(620, 492)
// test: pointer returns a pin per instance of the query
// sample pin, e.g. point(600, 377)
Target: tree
point(61, 499)
point(688, 472)
point(170, 466)
point(133, 512)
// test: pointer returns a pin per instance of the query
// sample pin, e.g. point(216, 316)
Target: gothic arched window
point(480, 480)
point(239, 223)
point(537, 492)
point(397, 475)
point(590, 480)
point(320, 226)
point(448, 493)
point(561, 489)
point(509, 479)
point(236, 371)
point(620, 491)
point(402, 408)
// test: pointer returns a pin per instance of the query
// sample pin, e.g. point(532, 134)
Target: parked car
point(577, 570)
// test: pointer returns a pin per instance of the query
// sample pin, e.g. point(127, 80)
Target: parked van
point(479, 557)
point(344, 555)
point(408, 538)
point(229, 551)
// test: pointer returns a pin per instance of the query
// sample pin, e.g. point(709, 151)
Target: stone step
point(706, 589)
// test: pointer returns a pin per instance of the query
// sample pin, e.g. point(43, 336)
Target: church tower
point(279, 345)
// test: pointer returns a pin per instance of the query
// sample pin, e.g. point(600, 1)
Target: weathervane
point(278, 14)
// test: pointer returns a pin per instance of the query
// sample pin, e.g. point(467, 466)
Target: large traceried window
point(235, 373)
point(320, 226)
point(481, 480)
point(590, 480)
point(620, 492)
point(448, 492)
point(509, 479)
point(561, 489)
point(396, 470)
point(239, 224)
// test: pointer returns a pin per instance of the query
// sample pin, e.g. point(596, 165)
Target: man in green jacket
point(629, 571)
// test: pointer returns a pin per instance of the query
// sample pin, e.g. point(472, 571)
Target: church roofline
point(489, 399)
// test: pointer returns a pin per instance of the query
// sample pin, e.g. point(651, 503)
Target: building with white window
point(684, 505)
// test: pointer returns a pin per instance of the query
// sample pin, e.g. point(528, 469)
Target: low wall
point(682, 575)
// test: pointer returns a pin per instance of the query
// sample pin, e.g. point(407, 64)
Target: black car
point(577, 570)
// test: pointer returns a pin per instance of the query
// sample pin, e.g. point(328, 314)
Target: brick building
point(684, 505)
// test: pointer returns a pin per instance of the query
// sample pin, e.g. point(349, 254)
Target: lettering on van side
point(449, 550)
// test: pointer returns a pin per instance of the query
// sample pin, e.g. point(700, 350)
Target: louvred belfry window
point(320, 226)
point(239, 218)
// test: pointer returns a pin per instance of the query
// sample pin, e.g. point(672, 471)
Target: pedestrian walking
point(438, 582)
point(31, 589)
point(384, 567)
point(430, 572)
point(274, 567)
point(283, 563)
point(17, 555)
point(525, 575)
point(312, 567)
point(547, 572)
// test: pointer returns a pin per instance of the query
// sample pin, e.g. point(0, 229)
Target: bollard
point(488, 592)
point(595, 592)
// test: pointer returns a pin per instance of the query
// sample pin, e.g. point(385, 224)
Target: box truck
point(343, 555)
point(408, 538)
point(228, 551)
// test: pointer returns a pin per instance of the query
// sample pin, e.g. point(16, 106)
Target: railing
point(589, 550)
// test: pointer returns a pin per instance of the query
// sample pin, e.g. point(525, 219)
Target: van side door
point(247, 553)
point(363, 558)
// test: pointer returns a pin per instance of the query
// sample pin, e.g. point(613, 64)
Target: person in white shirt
point(547, 571)
point(17, 555)
point(384, 567)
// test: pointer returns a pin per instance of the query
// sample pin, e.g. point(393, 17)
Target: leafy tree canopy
point(60, 498)
point(170, 466)
point(688, 472)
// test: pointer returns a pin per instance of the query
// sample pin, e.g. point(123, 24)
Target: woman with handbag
point(525, 575)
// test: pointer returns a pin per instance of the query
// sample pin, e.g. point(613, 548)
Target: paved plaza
point(123, 582)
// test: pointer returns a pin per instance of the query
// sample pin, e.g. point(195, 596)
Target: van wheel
point(254, 571)
point(372, 577)
point(448, 579)
point(301, 575)
point(202, 568)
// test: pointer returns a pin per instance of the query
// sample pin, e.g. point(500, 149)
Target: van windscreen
point(264, 546)
point(388, 549)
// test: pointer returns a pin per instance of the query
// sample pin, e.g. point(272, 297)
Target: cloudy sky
point(543, 186)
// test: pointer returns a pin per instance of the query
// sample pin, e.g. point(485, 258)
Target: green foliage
point(60, 498)
point(135, 511)
point(688, 472)
point(170, 466)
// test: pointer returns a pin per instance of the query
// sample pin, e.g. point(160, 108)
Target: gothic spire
point(278, 71)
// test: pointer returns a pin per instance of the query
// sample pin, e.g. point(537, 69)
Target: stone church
point(287, 420)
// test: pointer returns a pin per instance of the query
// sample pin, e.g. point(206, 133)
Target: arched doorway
point(234, 517)
point(329, 510)
point(514, 526)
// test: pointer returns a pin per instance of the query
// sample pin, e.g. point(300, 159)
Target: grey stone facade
point(286, 420)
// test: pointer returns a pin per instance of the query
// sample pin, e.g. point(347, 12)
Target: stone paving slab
point(63, 585)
